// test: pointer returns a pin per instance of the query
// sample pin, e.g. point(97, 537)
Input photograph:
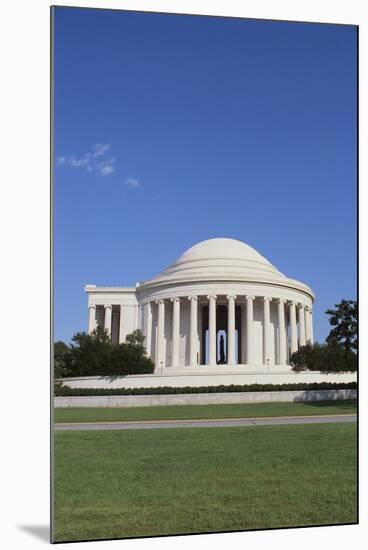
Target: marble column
point(301, 325)
point(231, 330)
point(212, 351)
point(311, 325)
point(266, 330)
point(148, 328)
point(108, 311)
point(193, 346)
point(160, 334)
point(121, 326)
point(307, 324)
point(243, 335)
point(175, 332)
point(282, 333)
point(200, 333)
point(293, 328)
point(91, 319)
point(250, 352)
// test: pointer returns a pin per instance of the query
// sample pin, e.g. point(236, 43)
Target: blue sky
point(174, 129)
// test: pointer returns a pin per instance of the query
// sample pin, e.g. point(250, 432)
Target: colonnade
point(285, 310)
point(293, 323)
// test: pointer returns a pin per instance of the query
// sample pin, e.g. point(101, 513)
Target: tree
point(330, 357)
point(344, 319)
point(306, 358)
point(135, 339)
point(62, 359)
point(91, 352)
point(129, 358)
point(337, 358)
point(95, 355)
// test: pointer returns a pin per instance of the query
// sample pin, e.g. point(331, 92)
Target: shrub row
point(67, 391)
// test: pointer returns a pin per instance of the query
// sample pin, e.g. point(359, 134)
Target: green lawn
point(116, 484)
point(175, 412)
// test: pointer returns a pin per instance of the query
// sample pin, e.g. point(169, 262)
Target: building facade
point(221, 306)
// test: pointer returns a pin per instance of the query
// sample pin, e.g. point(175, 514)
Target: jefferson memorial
point(221, 307)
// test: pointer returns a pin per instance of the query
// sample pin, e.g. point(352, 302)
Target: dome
point(225, 253)
point(220, 259)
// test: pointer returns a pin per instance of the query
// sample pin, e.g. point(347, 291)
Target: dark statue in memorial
point(222, 350)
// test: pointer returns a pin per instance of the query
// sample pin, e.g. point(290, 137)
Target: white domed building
point(221, 307)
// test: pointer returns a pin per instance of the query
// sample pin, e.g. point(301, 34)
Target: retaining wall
point(123, 401)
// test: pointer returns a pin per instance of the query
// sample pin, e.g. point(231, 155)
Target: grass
point(117, 484)
point(176, 412)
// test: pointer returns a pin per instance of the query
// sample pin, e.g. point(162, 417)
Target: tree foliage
point(95, 355)
point(136, 339)
point(330, 357)
point(90, 352)
point(344, 319)
point(62, 359)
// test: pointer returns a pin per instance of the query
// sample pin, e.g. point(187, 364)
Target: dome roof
point(220, 259)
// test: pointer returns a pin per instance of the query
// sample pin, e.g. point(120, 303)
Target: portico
point(238, 319)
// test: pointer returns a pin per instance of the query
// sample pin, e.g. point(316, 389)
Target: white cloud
point(83, 161)
point(106, 170)
point(96, 160)
point(100, 149)
point(92, 161)
point(106, 167)
point(132, 183)
point(60, 161)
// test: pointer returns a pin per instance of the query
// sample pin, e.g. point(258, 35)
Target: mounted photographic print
point(204, 258)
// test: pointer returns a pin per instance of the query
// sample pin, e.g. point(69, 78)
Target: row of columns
point(305, 322)
point(304, 316)
point(131, 319)
point(92, 321)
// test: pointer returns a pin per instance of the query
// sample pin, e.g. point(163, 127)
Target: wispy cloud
point(106, 169)
point(100, 149)
point(92, 161)
point(60, 161)
point(106, 166)
point(99, 161)
point(132, 183)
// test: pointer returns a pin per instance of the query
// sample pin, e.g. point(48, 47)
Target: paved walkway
point(210, 423)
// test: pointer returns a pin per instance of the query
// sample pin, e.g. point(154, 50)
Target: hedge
point(66, 391)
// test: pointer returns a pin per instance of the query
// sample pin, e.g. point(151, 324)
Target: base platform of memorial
point(221, 376)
